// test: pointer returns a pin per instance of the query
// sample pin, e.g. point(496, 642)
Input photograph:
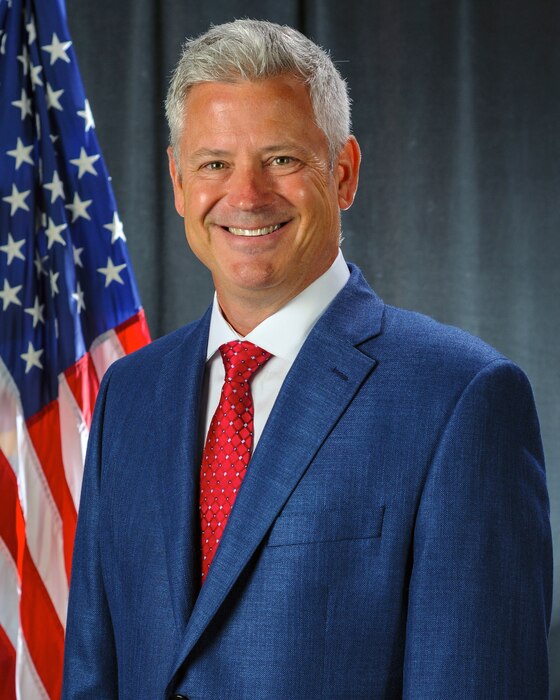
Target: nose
point(249, 188)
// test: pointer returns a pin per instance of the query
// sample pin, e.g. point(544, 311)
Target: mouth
point(253, 232)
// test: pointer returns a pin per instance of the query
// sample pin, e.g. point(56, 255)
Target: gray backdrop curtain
point(457, 110)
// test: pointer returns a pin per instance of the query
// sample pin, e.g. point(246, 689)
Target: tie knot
point(242, 359)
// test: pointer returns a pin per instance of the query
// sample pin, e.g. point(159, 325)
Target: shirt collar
point(299, 315)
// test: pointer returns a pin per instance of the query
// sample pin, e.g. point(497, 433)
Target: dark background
point(457, 110)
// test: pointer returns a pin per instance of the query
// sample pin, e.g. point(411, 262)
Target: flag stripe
point(7, 667)
point(41, 627)
point(133, 332)
point(44, 431)
point(9, 600)
point(105, 350)
point(8, 498)
point(28, 683)
point(73, 435)
point(84, 384)
point(43, 524)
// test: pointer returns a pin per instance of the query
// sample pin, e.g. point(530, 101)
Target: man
point(360, 511)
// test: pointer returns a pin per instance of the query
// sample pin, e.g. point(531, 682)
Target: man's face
point(260, 199)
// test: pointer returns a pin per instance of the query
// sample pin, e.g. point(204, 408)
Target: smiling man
point(307, 493)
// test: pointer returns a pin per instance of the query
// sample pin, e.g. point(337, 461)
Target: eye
point(214, 165)
point(282, 160)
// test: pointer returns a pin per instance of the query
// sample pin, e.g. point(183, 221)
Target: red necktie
point(228, 445)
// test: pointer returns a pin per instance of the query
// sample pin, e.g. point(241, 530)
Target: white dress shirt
point(282, 334)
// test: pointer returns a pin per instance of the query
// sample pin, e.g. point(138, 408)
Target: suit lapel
point(177, 401)
point(325, 377)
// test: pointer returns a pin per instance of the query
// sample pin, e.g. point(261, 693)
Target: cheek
point(313, 191)
point(199, 199)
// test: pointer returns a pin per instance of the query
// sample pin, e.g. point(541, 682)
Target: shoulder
point(403, 337)
point(421, 338)
point(446, 370)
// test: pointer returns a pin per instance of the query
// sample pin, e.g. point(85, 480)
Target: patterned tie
point(228, 445)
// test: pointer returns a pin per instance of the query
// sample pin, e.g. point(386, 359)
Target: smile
point(253, 231)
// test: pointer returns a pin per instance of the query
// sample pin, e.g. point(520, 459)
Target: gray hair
point(255, 50)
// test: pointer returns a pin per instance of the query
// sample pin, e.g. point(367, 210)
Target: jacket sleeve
point(90, 668)
point(481, 583)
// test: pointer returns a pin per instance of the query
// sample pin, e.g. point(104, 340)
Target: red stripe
point(84, 385)
point(41, 627)
point(44, 431)
point(7, 668)
point(8, 499)
point(133, 333)
point(8, 533)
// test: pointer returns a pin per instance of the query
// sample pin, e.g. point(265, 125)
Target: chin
point(253, 277)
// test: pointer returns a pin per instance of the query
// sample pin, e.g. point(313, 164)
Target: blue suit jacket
point(390, 539)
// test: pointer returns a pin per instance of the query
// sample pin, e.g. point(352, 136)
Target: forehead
point(281, 100)
point(284, 85)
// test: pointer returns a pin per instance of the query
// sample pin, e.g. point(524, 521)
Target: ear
point(347, 171)
point(177, 183)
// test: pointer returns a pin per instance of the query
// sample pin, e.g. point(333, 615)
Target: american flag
point(69, 306)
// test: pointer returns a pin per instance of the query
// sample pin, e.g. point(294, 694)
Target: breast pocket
point(327, 526)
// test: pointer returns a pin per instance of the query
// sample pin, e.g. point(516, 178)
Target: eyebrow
point(209, 153)
point(273, 148)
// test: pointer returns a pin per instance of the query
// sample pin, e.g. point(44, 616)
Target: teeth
point(253, 231)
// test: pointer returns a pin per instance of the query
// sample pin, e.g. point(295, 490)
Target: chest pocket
point(327, 526)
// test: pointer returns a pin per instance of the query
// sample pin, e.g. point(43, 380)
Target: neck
point(245, 309)
point(244, 315)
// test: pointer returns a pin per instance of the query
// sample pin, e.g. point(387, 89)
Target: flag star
point(53, 138)
point(24, 58)
point(17, 200)
point(78, 256)
point(35, 79)
point(9, 295)
point(53, 98)
point(36, 311)
point(86, 114)
point(112, 272)
point(13, 249)
point(85, 163)
point(53, 233)
point(116, 228)
point(55, 187)
point(53, 279)
point(3, 42)
point(31, 32)
point(21, 154)
point(24, 103)
point(39, 263)
point(79, 208)
point(32, 357)
point(78, 297)
point(57, 49)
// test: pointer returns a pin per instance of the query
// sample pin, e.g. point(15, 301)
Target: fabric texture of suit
point(390, 539)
